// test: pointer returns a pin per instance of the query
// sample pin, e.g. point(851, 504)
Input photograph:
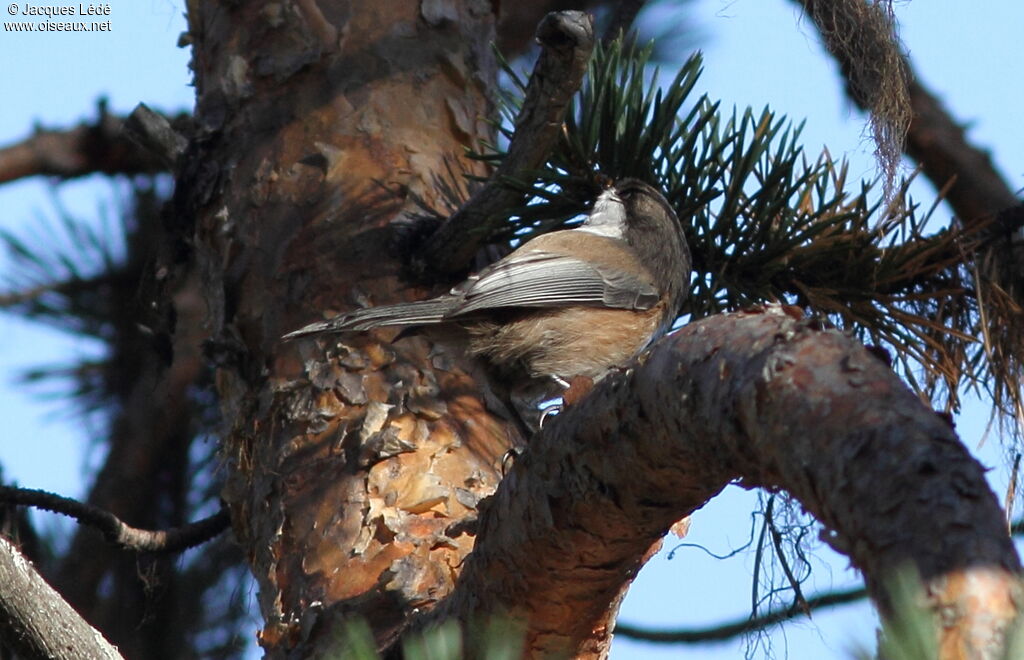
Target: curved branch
point(760, 396)
point(567, 39)
point(116, 531)
point(741, 626)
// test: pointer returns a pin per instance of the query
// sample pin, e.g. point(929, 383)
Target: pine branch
point(115, 530)
point(91, 278)
point(762, 222)
point(970, 183)
point(566, 40)
point(101, 146)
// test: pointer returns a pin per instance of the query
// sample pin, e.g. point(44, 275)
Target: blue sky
point(757, 52)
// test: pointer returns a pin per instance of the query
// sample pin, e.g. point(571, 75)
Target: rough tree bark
point(36, 622)
point(326, 126)
point(356, 472)
point(733, 397)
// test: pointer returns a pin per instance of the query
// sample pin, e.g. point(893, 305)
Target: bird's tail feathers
point(424, 312)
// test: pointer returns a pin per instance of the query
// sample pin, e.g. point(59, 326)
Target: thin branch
point(101, 146)
point(799, 601)
point(116, 531)
point(566, 39)
point(36, 622)
point(15, 298)
point(759, 560)
point(741, 626)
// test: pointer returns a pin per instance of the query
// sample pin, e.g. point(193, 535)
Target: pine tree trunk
point(325, 131)
point(356, 469)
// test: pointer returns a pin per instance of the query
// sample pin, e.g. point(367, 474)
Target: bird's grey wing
point(548, 279)
point(423, 312)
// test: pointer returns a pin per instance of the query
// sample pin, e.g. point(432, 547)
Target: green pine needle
point(764, 222)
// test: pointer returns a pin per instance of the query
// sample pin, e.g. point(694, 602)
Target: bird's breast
point(568, 342)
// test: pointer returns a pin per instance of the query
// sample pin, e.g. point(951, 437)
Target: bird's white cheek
point(607, 219)
point(610, 231)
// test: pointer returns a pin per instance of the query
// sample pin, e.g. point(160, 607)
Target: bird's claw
point(508, 459)
point(547, 412)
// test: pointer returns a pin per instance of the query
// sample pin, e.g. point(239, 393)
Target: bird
point(568, 304)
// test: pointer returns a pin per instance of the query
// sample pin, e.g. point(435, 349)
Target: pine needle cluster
point(764, 221)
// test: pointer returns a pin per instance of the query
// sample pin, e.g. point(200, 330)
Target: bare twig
point(116, 531)
point(567, 39)
point(85, 149)
point(741, 626)
point(799, 601)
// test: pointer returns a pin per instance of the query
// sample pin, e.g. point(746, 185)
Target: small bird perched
point(571, 303)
